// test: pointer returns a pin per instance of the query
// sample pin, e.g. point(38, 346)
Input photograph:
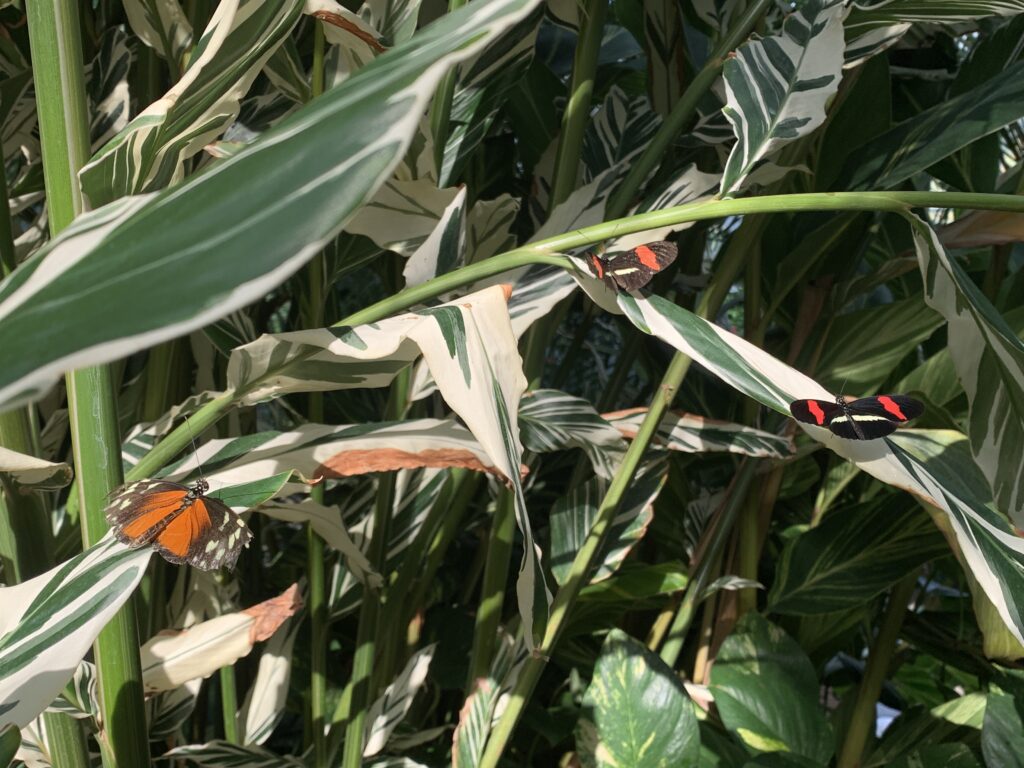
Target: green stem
point(705, 568)
point(441, 108)
point(749, 542)
point(577, 116)
point(683, 111)
point(862, 719)
point(492, 592)
point(229, 704)
point(583, 563)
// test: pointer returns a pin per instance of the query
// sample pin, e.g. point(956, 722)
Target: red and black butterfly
point(864, 419)
point(634, 269)
point(180, 522)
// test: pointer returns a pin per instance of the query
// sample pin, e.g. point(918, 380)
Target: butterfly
point(181, 523)
point(867, 418)
point(634, 269)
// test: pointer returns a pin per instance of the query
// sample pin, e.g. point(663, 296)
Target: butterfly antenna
point(195, 450)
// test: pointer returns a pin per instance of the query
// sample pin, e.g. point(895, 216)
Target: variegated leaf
point(162, 25)
point(224, 754)
point(148, 154)
point(403, 214)
point(573, 516)
point(30, 472)
point(266, 700)
point(989, 360)
point(696, 434)
point(132, 254)
point(778, 87)
point(873, 27)
point(635, 711)
point(554, 421)
point(444, 248)
point(994, 555)
point(50, 622)
point(393, 705)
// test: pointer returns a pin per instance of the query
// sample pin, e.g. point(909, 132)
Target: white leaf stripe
point(989, 361)
point(141, 262)
point(554, 421)
point(388, 711)
point(777, 87)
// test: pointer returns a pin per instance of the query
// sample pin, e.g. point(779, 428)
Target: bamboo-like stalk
point(862, 720)
point(577, 110)
point(229, 704)
point(492, 591)
point(57, 69)
point(315, 563)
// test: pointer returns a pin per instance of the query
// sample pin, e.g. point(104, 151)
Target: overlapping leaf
point(777, 88)
point(315, 169)
point(696, 434)
point(989, 360)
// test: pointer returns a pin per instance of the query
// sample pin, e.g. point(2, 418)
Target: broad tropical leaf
point(778, 87)
point(133, 254)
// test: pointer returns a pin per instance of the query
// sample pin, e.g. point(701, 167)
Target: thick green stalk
point(441, 107)
point(862, 720)
point(683, 111)
point(577, 117)
point(315, 549)
point(705, 569)
point(57, 69)
point(583, 563)
point(492, 591)
point(229, 704)
point(26, 539)
point(749, 545)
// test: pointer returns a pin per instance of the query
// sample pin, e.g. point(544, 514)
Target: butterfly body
point(179, 521)
point(866, 418)
point(633, 269)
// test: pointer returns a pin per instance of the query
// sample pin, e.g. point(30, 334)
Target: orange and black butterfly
point(633, 269)
point(180, 522)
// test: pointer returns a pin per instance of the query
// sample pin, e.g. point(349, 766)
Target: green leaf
point(10, 740)
point(162, 25)
point(1002, 735)
point(554, 421)
point(777, 87)
point(636, 711)
point(989, 360)
point(919, 142)
point(148, 154)
point(853, 555)
point(143, 255)
point(689, 433)
point(767, 692)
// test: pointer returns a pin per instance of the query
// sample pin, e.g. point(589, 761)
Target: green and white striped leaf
point(766, 692)
point(444, 249)
point(555, 421)
point(109, 98)
point(696, 434)
point(224, 754)
point(50, 622)
point(162, 25)
point(393, 705)
point(484, 86)
point(921, 141)
point(487, 701)
point(149, 153)
point(403, 214)
point(777, 88)
point(30, 472)
point(853, 555)
point(989, 360)
point(266, 700)
point(636, 711)
point(872, 28)
point(242, 245)
point(993, 553)
point(573, 516)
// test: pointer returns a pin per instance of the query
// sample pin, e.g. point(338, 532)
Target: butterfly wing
point(139, 511)
point(200, 531)
point(861, 425)
point(207, 535)
point(898, 408)
point(817, 412)
point(634, 269)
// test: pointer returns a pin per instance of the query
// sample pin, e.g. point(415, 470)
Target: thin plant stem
point(862, 720)
point(583, 563)
point(229, 704)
